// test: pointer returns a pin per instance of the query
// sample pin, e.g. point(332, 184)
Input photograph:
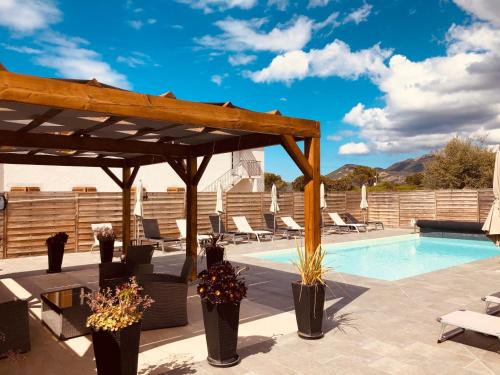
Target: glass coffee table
point(65, 312)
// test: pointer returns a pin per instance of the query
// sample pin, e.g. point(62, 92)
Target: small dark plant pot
point(309, 301)
point(221, 331)
point(55, 254)
point(106, 249)
point(117, 353)
point(214, 254)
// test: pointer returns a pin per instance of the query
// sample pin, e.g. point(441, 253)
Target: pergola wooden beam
point(110, 173)
point(179, 169)
point(312, 211)
point(297, 156)
point(192, 214)
point(68, 95)
point(201, 169)
point(6, 158)
point(244, 142)
point(40, 119)
point(95, 144)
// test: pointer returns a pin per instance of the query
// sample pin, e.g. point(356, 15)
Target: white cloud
point(281, 5)
point(487, 10)
point(69, 57)
point(177, 27)
point(241, 59)
point(428, 101)
point(136, 59)
point(136, 24)
point(335, 59)
point(340, 135)
point(317, 3)
point(27, 16)
point(209, 6)
point(22, 49)
point(359, 15)
point(352, 148)
point(217, 79)
point(241, 35)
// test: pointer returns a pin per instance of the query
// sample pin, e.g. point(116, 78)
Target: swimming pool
point(395, 258)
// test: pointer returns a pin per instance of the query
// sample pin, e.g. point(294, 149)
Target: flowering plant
point(105, 234)
point(113, 310)
point(59, 238)
point(222, 283)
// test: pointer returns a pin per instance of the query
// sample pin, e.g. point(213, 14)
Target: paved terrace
point(372, 327)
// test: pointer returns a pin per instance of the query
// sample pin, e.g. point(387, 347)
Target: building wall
point(155, 178)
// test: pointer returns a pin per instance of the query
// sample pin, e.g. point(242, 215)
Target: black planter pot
point(309, 301)
point(221, 331)
point(106, 249)
point(214, 254)
point(117, 353)
point(55, 254)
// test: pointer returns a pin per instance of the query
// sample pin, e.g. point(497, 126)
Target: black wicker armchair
point(136, 263)
point(170, 295)
point(14, 324)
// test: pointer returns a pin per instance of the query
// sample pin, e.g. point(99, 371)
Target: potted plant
point(214, 251)
point(309, 293)
point(55, 250)
point(106, 237)
point(115, 323)
point(221, 289)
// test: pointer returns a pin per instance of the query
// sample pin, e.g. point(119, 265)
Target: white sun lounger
point(342, 224)
point(492, 303)
point(292, 224)
point(471, 320)
point(243, 227)
point(181, 225)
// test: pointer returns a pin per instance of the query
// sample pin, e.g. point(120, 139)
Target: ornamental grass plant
point(310, 266)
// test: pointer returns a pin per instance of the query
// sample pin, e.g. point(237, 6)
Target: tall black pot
point(214, 254)
point(221, 331)
point(55, 254)
point(309, 301)
point(117, 353)
point(106, 249)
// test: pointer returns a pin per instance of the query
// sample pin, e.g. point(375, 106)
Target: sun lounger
point(471, 320)
point(350, 219)
point(95, 229)
point(337, 220)
point(292, 224)
point(243, 227)
point(218, 227)
point(152, 234)
point(181, 225)
point(492, 303)
point(273, 226)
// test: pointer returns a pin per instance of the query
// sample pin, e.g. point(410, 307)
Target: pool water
point(397, 257)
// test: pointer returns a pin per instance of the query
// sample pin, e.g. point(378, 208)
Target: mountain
point(396, 172)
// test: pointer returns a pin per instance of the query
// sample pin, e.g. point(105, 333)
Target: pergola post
point(312, 211)
point(192, 213)
point(125, 208)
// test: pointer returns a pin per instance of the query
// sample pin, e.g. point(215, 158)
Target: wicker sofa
point(14, 323)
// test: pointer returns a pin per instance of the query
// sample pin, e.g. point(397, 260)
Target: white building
point(237, 171)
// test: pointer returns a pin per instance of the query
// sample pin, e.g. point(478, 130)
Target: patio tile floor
point(387, 327)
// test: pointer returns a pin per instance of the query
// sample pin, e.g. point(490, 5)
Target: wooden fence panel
point(285, 203)
point(166, 208)
point(2, 234)
point(459, 205)
point(244, 204)
point(298, 207)
point(485, 199)
point(384, 206)
point(206, 207)
point(33, 217)
point(353, 200)
point(418, 204)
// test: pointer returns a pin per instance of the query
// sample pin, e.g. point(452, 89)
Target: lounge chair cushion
point(474, 321)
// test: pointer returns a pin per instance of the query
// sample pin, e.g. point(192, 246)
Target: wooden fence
point(32, 216)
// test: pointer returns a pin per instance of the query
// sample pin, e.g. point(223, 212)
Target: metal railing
point(242, 169)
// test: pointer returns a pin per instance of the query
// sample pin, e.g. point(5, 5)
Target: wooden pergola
point(46, 121)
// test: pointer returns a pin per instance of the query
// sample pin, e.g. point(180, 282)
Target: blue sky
point(387, 79)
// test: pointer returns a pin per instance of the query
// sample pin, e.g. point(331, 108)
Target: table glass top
point(67, 298)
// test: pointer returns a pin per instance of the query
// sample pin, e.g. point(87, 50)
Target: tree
point(299, 183)
point(363, 175)
point(462, 163)
point(340, 184)
point(271, 178)
point(415, 179)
